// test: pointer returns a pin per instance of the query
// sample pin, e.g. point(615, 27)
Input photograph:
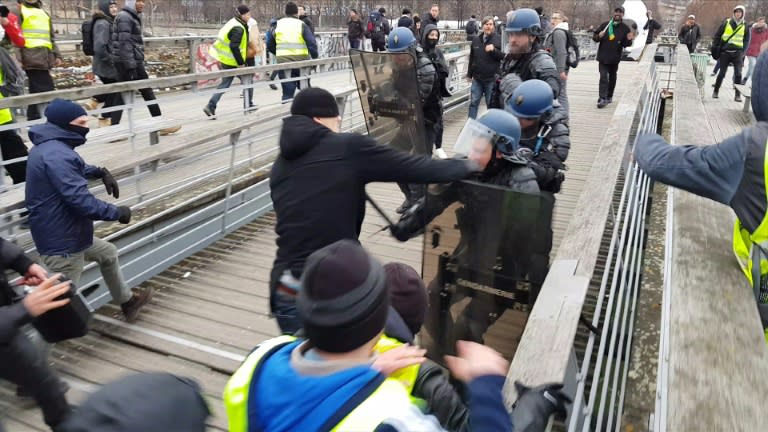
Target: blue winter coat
point(61, 208)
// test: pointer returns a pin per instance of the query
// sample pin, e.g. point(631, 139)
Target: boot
point(408, 201)
point(91, 105)
point(170, 130)
point(737, 98)
point(132, 307)
point(105, 122)
point(716, 93)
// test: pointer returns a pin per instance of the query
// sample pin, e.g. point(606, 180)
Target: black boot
point(132, 307)
point(716, 93)
point(408, 198)
point(737, 98)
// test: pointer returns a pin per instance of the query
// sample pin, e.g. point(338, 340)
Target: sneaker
point(91, 105)
point(715, 94)
point(170, 130)
point(601, 103)
point(252, 108)
point(737, 98)
point(609, 101)
point(273, 86)
point(132, 307)
point(105, 122)
point(440, 153)
point(210, 112)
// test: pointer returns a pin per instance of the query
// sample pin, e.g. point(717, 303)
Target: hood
point(299, 135)
point(320, 396)
point(41, 133)
point(104, 6)
point(153, 400)
point(425, 31)
point(562, 25)
point(760, 88)
point(397, 328)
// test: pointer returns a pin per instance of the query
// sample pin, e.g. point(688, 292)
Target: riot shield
point(389, 95)
point(485, 256)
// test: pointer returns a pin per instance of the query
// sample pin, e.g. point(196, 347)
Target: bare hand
point(42, 299)
point(397, 358)
point(563, 76)
point(630, 36)
point(469, 79)
point(601, 34)
point(476, 360)
point(489, 48)
point(57, 62)
point(34, 276)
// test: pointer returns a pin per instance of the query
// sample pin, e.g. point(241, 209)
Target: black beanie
point(61, 112)
point(343, 300)
point(407, 294)
point(315, 102)
point(242, 10)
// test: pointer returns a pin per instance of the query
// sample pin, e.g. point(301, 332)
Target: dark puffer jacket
point(127, 41)
point(537, 64)
point(103, 65)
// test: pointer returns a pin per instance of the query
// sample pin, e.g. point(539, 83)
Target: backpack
point(375, 22)
point(471, 27)
point(14, 80)
point(571, 46)
point(86, 28)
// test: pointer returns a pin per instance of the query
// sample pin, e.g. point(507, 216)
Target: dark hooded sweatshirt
point(102, 42)
point(318, 185)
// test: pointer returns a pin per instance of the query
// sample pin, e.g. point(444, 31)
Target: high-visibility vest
point(36, 28)
point(289, 38)
point(365, 417)
point(751, 251)
point(220, 49)
point(5, 114)
point(738, 39)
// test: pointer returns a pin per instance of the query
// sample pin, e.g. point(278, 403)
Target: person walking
point(758, 36)
point(485, 56)
point(230, 49)
point(731, 40)
point(472, 29)
point(652, 26)
point(40, 53)
point(405, 19)
point(689, 34)
point(377, 30)
point(556, 43)
point(11, 84)
point(355, 30)
point(293, 42)
point(62, 209)
point(128, 55)
point(103, 66)
point(612, 36)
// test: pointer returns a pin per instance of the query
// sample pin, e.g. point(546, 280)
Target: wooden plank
point(728, 354)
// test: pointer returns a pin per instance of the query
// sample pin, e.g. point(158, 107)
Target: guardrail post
point(192, 45)
point(128, 98)
point(234, 138)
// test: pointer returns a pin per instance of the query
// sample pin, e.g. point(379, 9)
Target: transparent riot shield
point(389, 94)
point(485, 258)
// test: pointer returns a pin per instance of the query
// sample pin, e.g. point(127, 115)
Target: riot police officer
point(526, 58)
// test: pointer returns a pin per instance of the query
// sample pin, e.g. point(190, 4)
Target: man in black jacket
point(689, 34)
point(20, 361)
point(405, 19)
point(318, 188)
point(652, 26)
point(732, 38)
point(306, 19)
point(128, 53)
point(432, 17)
point(230, 49)
point(485, 56)
point(613, 36)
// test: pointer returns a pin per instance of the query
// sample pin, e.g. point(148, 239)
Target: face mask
point(79, 130)
point(432, 43)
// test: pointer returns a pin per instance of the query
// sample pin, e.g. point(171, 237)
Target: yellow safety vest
point(289, 38)
point(220, 49)
point(366, 417)
point(407, 375)
point(5, 113)
point(36, 28)
point(738, 38)
point(751, 248)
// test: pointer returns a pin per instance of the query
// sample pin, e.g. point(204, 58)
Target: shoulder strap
point(736, 30)
point(353, 403)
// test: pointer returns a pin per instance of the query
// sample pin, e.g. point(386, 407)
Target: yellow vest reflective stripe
point(36, 28)
point(749, 247)
point(289, 38)
point(738, 38)
point(220, 49)
point(389, 397)
point(5, 113)
point(238, 386)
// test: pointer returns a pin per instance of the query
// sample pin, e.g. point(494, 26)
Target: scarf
point(611, 36)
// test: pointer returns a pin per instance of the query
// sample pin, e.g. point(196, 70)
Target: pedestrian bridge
point(675, 341)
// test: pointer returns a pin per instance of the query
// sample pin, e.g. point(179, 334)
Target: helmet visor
point(475, 142)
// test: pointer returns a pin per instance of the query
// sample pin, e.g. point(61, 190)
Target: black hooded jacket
point(127, 40)
point(318, 185)
point(103, 65)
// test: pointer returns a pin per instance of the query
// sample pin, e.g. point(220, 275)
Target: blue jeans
point(354, 43)
point(750, 68)
point(289, 88)
point(479, 88)
point(226, 82)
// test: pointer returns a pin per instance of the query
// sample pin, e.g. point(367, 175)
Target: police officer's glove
point(110, 183)
point(534, 406)
point(125, 214)
point(549, 159)
point(410, 223)
point(4, 11)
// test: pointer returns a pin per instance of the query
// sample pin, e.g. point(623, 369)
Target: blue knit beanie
point(61, 112)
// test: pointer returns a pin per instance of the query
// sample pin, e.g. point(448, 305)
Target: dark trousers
point(134, 75)
point(111, 100)
point(735, 58)
point(282, 305)
point(289, 88)
point(378, 45)
point(354, 43)
point(39, 81)
point(22, 364)
point(13, 147)
point(608, 80)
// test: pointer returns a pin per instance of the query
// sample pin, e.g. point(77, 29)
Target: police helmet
point(526, 21)
point(495, 130)
point(400, 39)
point(531, 99)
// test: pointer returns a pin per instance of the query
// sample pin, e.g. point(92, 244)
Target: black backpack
point(87, 30)
point(572, 46)
point(471, 28)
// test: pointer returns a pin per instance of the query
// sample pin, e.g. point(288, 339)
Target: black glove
point(410, 223)
point(4, 11)
point(110, 183)
point(534, 406)
point(125, 214)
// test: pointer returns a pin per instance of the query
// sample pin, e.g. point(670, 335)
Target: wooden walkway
point(212, 308)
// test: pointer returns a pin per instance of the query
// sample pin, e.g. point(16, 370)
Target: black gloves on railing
point(534, 406)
